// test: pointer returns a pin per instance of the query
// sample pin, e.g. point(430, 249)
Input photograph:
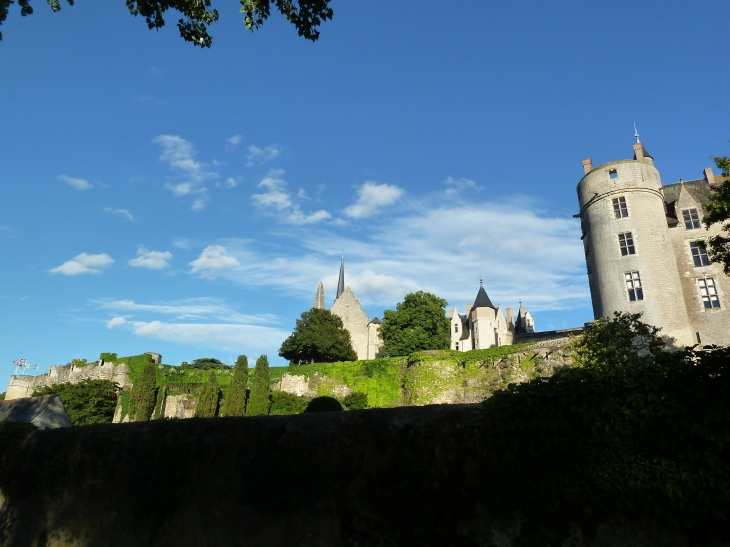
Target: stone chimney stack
point(468, 310)
point(709, 176)
point(639, 151)
point(587, 165)
point(511, 318)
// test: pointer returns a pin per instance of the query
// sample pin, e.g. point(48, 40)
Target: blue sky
point(159, 197)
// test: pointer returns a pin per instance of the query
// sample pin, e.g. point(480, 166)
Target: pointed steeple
point(482, 300)
point(319, 299)
point(341, 282)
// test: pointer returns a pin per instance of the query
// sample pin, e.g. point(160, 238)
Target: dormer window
point(691, 219)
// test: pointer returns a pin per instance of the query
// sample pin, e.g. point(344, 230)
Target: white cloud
point(279, 198)
point(75, 183)
point(153, 260)
point(115, 322)
point(230, 182)
point(182, 243)
point(225, 337)
point(180, 155)
point(232, 142)
point(372, 196)
point(457, 185)
point(259, 156)
point(84, 263)
point(121, 212)
point(214, 258)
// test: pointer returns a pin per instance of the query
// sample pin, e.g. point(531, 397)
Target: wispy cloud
point(212, 260)
point(371, 197)
point(230, 182)
point(153, 260)
point(76, 183)
point(259, 156)
point(454, 186)
point(84, 263)
point(120, 212)
point(232, 142)
point(180, 155)
point(279, 198)
point(200, 322)
point(6, 231)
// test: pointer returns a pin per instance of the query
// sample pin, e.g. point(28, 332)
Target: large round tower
point(631, 264)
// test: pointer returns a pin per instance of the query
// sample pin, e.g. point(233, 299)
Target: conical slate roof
point(482, 300)
point(341, 282)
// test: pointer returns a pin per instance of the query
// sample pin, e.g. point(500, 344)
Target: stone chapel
point(364, 333)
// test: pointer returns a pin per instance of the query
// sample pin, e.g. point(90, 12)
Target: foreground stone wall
point(23, 386)
point(384, 477)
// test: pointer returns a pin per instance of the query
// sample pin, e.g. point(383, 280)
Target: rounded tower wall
point(640, 185)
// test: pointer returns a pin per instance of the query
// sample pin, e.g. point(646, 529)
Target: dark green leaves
point(718, 211)
point(419, 323)
point(88, 402)
point(319, 337)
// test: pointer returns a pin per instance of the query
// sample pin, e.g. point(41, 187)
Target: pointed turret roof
point(319, 299)
point(482, 300)
point(341, 282)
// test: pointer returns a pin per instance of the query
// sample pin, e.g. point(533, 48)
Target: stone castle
point(364, 333)
point(484, 326)
point(644, 249)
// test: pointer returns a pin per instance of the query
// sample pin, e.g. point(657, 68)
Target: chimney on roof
point(468, 310)
point(587, 165)
point(709, 176)
point(510, 319)
point(639, 151)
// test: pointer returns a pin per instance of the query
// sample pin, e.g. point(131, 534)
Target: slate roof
point(376, 321)
point(45, 412)
point(699, 189)
point(482, 300)
point(646, 153)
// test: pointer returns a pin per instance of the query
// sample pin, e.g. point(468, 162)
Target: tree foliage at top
point(418, 323)
point(197, 15)
point(88, 402)
point(208, 399)
point(718, 210)
point(208, 363)
point(234, 403)
point(319, 337)
point(632, 429)
point(142, 398)
point(260, 399)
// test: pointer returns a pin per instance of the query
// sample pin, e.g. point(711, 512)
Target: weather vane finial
point(481, 281)
point(636, 134)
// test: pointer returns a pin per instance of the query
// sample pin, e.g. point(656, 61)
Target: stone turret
point(319, 299)
point(630, 260)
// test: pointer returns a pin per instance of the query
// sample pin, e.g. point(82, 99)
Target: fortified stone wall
point(23, 386)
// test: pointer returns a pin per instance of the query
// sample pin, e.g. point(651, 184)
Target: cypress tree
point(142, 398)
point(208, 400)
point(161, 392)
point(234, 403)
point(260, 400)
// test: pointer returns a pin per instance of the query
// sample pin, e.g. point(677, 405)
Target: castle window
point(633, 285)
point(691, 219)
point(612, 173)
point(626, 243)
point(457, 346)
point(699, 253)
point(708, 291)
point(456, 328)
point(619, 207)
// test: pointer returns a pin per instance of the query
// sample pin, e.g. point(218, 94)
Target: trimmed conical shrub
point(208, 400)
point(234, 403)
point(260, 400)
point(142, 398)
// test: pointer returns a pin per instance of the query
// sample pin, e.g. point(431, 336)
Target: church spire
point(319, 299)
point(341, 282)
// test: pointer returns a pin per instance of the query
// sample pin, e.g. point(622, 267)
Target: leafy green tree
point(610, 341)
point(161, 394)
point(260, 399)
point(234, 402)
point(635, 429)
point(142, 397)
point(88, 402)
point(208, 400)
point(319, 337)
point(208, 363)
point(418, 323)
point(197, 15)
point(718, 211)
